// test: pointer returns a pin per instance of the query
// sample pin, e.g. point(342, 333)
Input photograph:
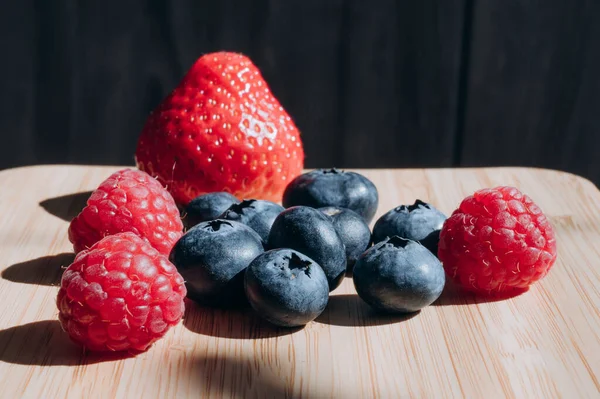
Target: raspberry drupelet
point(120, 295)
point(496, 242)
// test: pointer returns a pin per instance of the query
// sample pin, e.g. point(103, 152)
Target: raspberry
point(121, 294)
point(497, 241)
point(129, 200)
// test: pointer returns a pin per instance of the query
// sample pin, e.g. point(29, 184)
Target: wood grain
point(543, 344)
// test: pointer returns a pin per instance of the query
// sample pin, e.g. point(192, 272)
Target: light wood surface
point(544, 343)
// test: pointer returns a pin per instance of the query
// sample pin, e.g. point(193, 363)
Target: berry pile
point(121, 292)
point(285, 261)
point(307, 247)
point(225, 150)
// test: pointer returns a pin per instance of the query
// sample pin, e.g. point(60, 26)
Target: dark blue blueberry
point(311, 232)
point(212, 256)
point(332, 187)
point(207, 207)
point(398, 276)
point(353, 231)
point(414, 222)
point(431, 241)
point(259, 215)
point(286, 287)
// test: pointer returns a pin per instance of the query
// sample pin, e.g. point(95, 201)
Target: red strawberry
point(221, 129)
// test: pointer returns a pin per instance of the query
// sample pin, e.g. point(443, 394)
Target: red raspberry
point(129, 200)
point(497, 241)
point(121, 294)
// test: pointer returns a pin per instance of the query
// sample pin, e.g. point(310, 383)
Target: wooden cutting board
point(544, 343)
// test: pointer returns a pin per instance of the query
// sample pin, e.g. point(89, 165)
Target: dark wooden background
point(379, 83)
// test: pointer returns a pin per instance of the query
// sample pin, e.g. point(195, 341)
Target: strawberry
point(221, 129)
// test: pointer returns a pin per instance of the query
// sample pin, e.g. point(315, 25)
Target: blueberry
point(212, 256)
point(311, 232)
point(431, 241)
point(286, 287)
point(414, 222)
point(332, 187)
point(353, 231)
point(398, 276)
point(259, 215)
point(208, 207)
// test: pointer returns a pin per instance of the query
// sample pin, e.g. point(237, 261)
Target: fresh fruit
point(413, 222)
point(399, 276)
point(121, 294)
point(208, 207)
point(259, 215)
point(431, 241)
point(212, 256)
point(497, 241)
point(352, 229)
point(286, 287)
point(311, 232)
point(331, 187)
point(221, 129)
point(129, 200)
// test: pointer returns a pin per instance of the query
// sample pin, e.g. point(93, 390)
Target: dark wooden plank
point(299, 56)
point(124, 67)
point(368, 85)
point(401, 70)
point(54, 68)
point(100, 69)
point(532, 94)
point(17, 84)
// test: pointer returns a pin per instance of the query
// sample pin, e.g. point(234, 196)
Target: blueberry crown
point(239, 208)
point(331, 171)
point(409, 208)
point(295, 262)
point(397, 242)
point(215, 225)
